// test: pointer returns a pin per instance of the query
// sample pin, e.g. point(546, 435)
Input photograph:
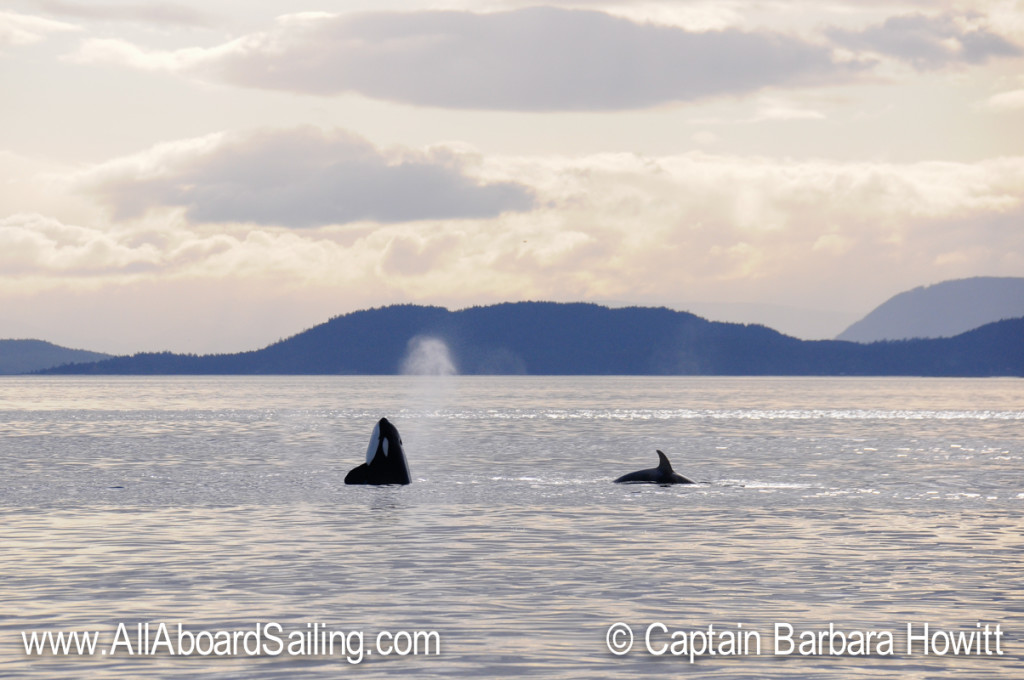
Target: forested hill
point(25, 356)
point(544, 338)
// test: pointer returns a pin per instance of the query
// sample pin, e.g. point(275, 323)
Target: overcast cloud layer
point(207, 177)
point(548, 59)
point(537, 59)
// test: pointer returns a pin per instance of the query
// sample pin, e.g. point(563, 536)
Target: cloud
point(535, 59)
point(39, 252)
point(22, 29)
point(1005, 101)
point(929, 42)
point(116, 51)
point(727, 227)
point(33, 244)
point(772, 108)
point(150, 12)
point(551, 59)
point(653, 230)
point(303, 177)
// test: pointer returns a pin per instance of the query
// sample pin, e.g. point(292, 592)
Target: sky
point(215, 176)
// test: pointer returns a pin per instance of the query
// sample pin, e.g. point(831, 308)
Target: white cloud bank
point(623, 227)
point(604, 225)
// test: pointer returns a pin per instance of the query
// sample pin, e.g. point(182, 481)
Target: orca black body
point(385, 459)
point(663, 474)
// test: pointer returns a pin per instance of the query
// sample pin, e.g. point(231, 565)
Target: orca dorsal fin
point(663, 463)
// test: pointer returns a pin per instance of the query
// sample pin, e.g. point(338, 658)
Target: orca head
point(389, 433)
point(385, 436)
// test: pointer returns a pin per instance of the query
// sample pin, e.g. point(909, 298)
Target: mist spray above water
point(423, 430)
point(428, 356)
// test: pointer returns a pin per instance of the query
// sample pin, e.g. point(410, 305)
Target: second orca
point(663, 474)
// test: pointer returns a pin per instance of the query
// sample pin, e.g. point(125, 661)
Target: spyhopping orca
point(663, 474)
point(385, 459)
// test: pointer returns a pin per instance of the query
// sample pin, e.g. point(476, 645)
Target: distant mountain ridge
point(26, 356)
point(547, 338)
point(941, 310)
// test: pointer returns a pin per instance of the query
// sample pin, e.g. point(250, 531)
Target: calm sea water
point(218, 503)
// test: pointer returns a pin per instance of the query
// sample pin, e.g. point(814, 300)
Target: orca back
point(663, 474)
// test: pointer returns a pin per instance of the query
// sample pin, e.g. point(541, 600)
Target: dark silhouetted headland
point(546, 338)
